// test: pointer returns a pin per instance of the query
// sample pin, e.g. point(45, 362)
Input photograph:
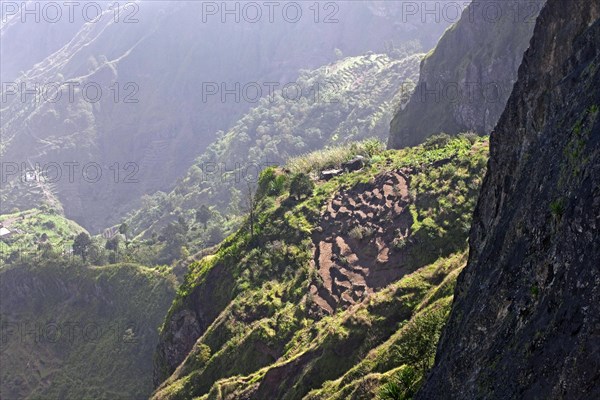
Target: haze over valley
point(318, 200)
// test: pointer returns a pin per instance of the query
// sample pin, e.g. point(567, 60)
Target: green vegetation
point(36, 233)
point(262, 317)
point(72, 328)
point(333, 157)
point(301, 186)
point(82, 245)
point(262, 320)
point(80, 332)
point(557, 208)
point(575, 147)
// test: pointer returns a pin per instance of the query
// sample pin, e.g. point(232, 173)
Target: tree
point(203, 215)
point(81, 245)
point(215, 235)
point(175, 236)
point(301, 186)
point(251, 202)
point(112, 244)
point(123, 229)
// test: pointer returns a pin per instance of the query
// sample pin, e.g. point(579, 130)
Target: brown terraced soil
point(354, 252)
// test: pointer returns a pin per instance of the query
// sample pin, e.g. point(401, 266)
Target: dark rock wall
point(525, 323)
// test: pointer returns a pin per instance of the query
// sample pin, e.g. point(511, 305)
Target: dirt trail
point(354, 253)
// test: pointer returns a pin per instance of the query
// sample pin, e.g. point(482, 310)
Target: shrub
point(203, 215)
point(557, 208)
point(418, 345)
point(360, 232)
point(270, 183)
point(266, 178)
point(49, 225)
point(472, 137)
point(301, 186)
point(437, 141)
point(403, 386)
point(391, 391)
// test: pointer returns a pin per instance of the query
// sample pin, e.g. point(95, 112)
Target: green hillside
point(331, 288)
point(70, 332)
point(36, 234)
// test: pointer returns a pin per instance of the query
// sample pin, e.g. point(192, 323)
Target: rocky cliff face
point(526, 318)
point(466, 81)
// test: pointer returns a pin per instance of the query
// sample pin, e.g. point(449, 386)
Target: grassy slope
point(28, 228)
point(80, 333)
point(259, 338)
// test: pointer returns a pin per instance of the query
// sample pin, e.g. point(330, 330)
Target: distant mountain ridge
point(353, 100)
point(465, 82)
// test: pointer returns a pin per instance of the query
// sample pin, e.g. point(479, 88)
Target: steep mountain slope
point(146, 105)
point(318, 277)
point(525, 322)
point(354, 101)
point(51, 34)
point(70, 332)
point(466, 80)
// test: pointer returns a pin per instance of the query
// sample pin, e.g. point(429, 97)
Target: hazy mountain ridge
point(465, 82)
point(353, 99)
point(162, 61)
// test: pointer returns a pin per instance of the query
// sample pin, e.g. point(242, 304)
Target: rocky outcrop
point(189, 319)
point(525, 322)
point(466, 81)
